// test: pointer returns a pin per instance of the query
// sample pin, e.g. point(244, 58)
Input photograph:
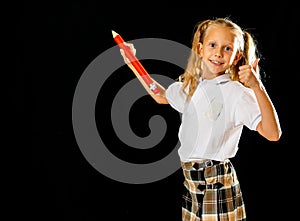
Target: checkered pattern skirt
point(211, 193)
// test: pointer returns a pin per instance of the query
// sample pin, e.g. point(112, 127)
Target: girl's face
point(218, 51)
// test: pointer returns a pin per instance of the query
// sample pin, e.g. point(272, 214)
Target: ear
point(237, 57)
point(199, 48)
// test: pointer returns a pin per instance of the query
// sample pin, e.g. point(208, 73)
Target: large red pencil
point(135, 62)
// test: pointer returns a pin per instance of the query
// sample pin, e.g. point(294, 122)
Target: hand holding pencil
point(128, 52)
point(133, 50)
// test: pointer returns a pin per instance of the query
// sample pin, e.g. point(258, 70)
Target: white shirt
point(212, 121)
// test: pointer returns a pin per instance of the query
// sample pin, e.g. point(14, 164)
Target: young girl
point(219, 92)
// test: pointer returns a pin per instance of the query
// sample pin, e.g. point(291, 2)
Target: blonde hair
point(246, 45)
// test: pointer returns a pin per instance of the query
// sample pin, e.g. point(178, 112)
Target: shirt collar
point(218, 80)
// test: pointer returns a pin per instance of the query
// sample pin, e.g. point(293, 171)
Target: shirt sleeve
point(175, 96)
point(248, 112)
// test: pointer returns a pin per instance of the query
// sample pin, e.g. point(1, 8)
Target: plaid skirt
point(211, 192)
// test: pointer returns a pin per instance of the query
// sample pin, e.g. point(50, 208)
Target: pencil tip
point(114, 33)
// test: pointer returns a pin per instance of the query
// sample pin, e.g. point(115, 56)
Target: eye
point(212, 45)
point(227, 49)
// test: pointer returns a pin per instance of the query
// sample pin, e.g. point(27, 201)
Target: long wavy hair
point(193, 72)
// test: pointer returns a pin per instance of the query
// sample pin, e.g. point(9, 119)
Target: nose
point(218, 53)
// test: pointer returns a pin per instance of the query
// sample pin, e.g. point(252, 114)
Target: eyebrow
point(214, 41)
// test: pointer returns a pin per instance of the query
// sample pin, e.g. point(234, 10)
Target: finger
point(131, 47)
point(255, 64)
point(243, 74)
point(244, 67)
point(126, 60)
point(122, 52)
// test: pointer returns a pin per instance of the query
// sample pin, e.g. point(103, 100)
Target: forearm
point(269, 127)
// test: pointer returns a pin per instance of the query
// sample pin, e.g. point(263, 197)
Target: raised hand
point(132, 49)
point(248, 74)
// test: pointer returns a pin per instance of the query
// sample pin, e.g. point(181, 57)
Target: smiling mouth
point(216, 62)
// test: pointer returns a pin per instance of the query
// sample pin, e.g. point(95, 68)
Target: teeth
point(216, 62)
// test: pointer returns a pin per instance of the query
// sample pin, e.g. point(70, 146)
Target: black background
point(58, 41)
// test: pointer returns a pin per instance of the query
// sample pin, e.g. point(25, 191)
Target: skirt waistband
point(201, 164)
